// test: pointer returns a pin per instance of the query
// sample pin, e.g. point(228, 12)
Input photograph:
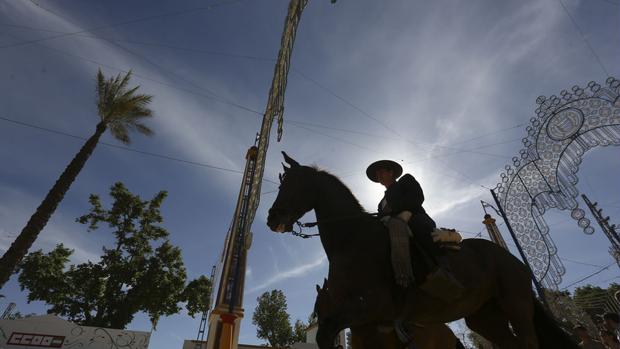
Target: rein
point(301, 225)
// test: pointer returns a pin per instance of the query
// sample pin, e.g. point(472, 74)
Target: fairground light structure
point(544, 174)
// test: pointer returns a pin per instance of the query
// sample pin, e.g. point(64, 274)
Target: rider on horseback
point(402, 212)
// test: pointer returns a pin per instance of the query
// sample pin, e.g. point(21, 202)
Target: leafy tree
point(299, 332)
point(567, 314)
point(142, 271)
point(312, 318)
point(18, 315)
point(272, 320)
point(613, 288)
point(121, 110)
point(197, 294)
point(593, 299)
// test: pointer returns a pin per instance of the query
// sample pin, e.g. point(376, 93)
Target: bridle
point(301, 225)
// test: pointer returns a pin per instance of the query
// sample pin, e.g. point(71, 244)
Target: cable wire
point(161, 156)
point(583, 36)
point(590, 275)
point(136, 20)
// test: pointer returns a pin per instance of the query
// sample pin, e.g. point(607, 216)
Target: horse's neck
point(335, 200)
point(339, 211)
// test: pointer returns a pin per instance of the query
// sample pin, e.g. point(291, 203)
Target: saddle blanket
point(448, 238)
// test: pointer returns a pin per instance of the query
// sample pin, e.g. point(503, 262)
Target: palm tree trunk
point(14, 255)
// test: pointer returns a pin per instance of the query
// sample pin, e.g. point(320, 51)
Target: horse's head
point(296, 196)
point(326, 315)
point(323, 306)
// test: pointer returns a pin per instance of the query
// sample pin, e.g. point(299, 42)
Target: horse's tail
point(549, 334)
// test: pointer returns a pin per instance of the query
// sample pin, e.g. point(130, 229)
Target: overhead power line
point(590, 275)
point(582, 263)
point(585, 39)
point(161, 156)
point(139, 56)
point(488, 134)
point(366, 114)
point(147, 43)
point(117, 24)
point(211, 95)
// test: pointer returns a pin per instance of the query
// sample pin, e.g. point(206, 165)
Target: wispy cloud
point(297, 271)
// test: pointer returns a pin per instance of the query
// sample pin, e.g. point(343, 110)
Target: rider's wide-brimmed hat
point(371, 171)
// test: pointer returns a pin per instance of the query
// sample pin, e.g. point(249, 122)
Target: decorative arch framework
point(544, 174)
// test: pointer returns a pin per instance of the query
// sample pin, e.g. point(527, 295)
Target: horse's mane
point(334, 179)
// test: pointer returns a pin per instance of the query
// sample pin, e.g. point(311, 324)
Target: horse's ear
point(318, 289)
point(284, 167)
point(290, 160)
point(325, 283)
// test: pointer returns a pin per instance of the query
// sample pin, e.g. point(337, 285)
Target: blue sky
point(407, 80)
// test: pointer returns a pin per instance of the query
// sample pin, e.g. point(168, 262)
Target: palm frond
point(128, 93)
point(119, 131)
point(141, 128)
point(120, 107)
point(127, 106)
point(125, 81)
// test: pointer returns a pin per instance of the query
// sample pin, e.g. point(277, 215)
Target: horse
point(372, 336)
point(497, 299)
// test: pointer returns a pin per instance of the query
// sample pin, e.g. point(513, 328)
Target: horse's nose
point(271, 218)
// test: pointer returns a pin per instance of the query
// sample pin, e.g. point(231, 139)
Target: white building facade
point(50, 331)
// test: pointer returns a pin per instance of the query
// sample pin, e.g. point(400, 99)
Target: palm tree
point(121, 110)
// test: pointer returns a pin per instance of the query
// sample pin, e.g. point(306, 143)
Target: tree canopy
point(141, 272)
point(299, 332)
point(272, 321)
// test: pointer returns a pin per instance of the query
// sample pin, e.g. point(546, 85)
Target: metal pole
point(242, 227)
point(539, 288)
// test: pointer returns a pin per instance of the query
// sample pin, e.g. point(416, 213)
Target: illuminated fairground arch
point(544, 175)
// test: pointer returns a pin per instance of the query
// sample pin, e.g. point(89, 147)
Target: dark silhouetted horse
point(497, 302)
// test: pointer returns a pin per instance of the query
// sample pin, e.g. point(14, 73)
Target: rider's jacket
point(406, 195)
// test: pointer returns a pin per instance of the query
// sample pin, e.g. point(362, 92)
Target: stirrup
point(401, 331)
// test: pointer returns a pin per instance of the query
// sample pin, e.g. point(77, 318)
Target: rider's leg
point(400, 251)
